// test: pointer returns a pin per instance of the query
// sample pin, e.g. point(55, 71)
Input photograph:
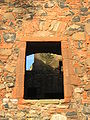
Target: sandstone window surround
point(18, 91)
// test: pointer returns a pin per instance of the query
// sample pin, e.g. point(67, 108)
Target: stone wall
point(42, 20)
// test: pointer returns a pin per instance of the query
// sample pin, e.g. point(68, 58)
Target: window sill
point(44, 101)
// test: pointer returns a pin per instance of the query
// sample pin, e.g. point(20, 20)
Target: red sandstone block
point(3, 58)
point(57, 9)
point(65, 67)
point(71, 68)
point(86, 101)
point(74, 80)
point(0, 101)
point(73, 2)
point(2, 94)
point(83, 18)
point(67, 99)
point(21, 101)
point(17, 44)
point(64, 44)
point(20, 66)
point(51, 111)
point(19, 84)
point(66, 80)
point(75, 7)
point(65, 19)
point(40, 39)
point(28, 27)
point(71, 110)
point(5, 73)
point(65, 53)
point(6, 45)
point(0, 16)
point(62, 38)
point(69, 53)
point(68, 90)
point(84, 95)
point(35, 24)
point(22, 107)
point(61, 27)
point(61, 110)
point(17, 92)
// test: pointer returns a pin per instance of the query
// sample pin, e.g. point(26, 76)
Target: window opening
point(43, 71)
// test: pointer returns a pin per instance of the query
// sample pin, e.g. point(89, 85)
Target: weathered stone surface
point(14, 101)
point(19, 22)
point(54, 25)
point(80, 44)
point(88, 93)
point(41, 24)
point(87, 28)
point(62, 4)
point(5, 51)
point(10, 68)
point(16, 50)
point(78, 36)
point(20, 114)
point(19, 16)
point(75, 27)
point(10, 78)
point(42, 33)
point(2, 114)
point(8, 115)
point(18, 10)
point(2, 86)
point(84, 9)
point(9, 37)
point(63, 106)
point(5, 100)
point(6, 105)
point(8, 95)
point(88, 21)
point(71, 114)
point(46, 118)
point(78, 90)
point(86, 109)
point(8, 16)
point(10, 85)
point(42, 13)
point(49, 4)
point(3, 27)
point(68, 13)
point(87, 87)
point(88, 61)
point(76, 19)
point(58, 117)
point(0, 69)
point(0, 38)
point(29, 16)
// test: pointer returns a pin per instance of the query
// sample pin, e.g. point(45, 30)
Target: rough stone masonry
point(67, 21)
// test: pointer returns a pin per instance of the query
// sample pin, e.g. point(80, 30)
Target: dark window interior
point(45, 79)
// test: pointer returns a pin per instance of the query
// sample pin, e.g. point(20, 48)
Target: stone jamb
point(18, 91)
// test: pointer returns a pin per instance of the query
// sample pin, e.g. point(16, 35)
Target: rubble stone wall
point(67, 21)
